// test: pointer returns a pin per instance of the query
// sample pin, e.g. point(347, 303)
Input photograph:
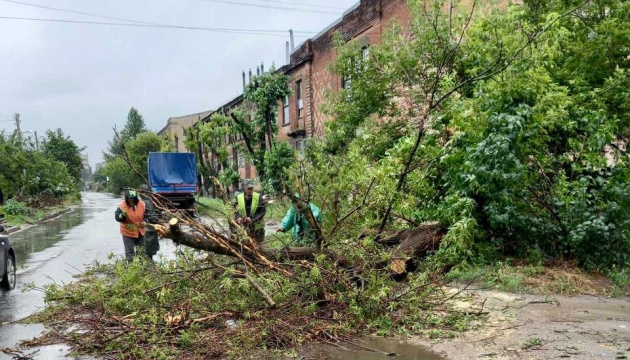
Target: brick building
point(175, 126)
point(300, 115)
point(236, 158)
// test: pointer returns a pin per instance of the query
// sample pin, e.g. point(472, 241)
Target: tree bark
point(411, 244)
point(200, 242)
point(406, 246)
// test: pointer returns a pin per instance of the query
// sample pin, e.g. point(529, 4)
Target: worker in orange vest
point(130, 214)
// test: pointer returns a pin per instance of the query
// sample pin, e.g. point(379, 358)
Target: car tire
point(9, 279)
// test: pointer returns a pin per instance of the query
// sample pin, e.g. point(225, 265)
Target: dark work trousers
point(130, 246)
point(258, 236)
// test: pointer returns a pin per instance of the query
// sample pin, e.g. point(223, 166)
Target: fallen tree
point(405, 245)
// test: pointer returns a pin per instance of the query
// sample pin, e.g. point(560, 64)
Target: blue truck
point(174, 176)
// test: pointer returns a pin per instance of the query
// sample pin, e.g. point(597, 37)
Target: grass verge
point(26, 215)
point(548, 278)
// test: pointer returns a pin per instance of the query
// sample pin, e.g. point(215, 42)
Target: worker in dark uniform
point(151, 243)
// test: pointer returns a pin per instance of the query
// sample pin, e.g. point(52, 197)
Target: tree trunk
point(411, 245)
point(406, 246)
point(200, 242)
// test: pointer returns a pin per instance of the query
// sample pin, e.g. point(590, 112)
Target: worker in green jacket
point(250, 212)
point(297, 222)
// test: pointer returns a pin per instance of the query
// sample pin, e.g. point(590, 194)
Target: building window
point(300, 100)
point(346, 82)
point(285, 106)
point(365, 56)
point(241, 160)
point(357, 64)
point(230, 162)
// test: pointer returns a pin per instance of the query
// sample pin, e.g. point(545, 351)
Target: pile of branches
point(193, 313)
point(243, 296)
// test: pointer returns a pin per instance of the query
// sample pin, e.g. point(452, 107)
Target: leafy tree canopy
point(63, 149)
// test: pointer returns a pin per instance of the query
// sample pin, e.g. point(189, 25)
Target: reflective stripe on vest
point(241, 204)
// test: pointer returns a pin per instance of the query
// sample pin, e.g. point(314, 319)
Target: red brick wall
point(300, 73)
point(363, 24)
point(311, 61)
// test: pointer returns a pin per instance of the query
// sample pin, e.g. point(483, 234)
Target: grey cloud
point(84, 78)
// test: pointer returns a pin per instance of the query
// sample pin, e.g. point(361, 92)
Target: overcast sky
point(84, 78)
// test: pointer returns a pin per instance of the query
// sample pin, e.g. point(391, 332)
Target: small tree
point(134, 126)
point(61, 148)
point(256, 123)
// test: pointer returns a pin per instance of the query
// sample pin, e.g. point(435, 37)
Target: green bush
point(12, 207)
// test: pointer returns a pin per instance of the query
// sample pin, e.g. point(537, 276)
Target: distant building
point(86, 172)
point(86, 164)
point(99, 166)
point(236, 158)
point(175, 126)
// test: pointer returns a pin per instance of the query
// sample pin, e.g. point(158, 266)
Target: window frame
point(286, 114)
point(299, 96)
point(240, 160)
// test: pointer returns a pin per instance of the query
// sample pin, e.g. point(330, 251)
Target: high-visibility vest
point(242, 211)
point(131, 226)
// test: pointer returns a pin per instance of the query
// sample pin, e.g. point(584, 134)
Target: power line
point(230, 31)
point(302, 4)
point(310, 11)
point(152, 23)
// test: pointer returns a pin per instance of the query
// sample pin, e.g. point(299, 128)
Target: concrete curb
point(46, 219)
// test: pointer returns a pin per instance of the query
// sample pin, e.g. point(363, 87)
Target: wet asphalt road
point(52, 253)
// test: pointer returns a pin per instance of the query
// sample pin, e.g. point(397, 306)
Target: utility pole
point(16, 117)
point(36, 141)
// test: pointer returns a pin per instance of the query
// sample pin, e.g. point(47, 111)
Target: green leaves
point(120, 173)
point(61, 148)
point(27, 171)
point(525, 139)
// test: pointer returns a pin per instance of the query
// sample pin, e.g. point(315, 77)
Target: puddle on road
point(370, 348)
point(31, 244)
